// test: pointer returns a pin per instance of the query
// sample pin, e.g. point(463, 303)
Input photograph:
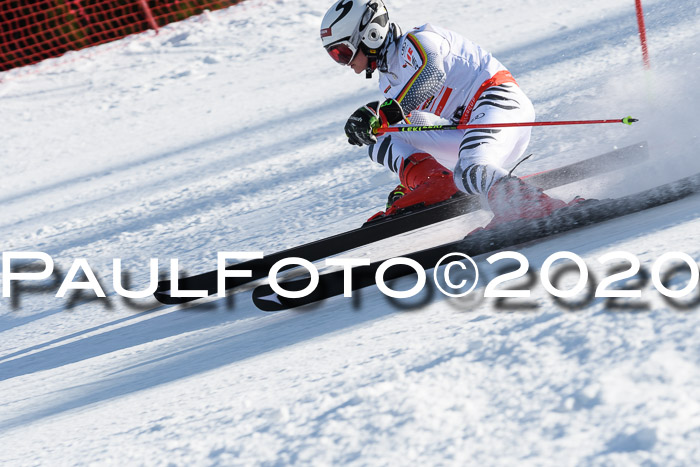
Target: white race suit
point(437, 75)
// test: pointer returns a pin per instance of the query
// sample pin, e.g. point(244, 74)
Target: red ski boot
point(511, 199)
point(427, 183)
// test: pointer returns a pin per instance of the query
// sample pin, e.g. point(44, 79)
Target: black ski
point(586, 213)
point(401, 223)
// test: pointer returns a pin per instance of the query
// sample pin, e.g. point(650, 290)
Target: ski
point(508, 235)
point(398, 224)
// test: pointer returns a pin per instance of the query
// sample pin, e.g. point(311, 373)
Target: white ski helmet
point(351, 25)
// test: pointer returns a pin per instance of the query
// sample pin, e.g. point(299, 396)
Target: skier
point(427, 76)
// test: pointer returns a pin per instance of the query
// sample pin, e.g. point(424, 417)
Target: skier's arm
point(428, 77)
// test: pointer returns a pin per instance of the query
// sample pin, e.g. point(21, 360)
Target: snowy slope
point(224, 132)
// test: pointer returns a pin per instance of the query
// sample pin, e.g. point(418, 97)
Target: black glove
point(361, 125)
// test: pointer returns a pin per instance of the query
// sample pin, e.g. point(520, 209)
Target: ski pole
point(466, 126)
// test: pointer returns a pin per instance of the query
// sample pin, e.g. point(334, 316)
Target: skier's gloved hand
point(391, 113)
point(364, 121)
point(359, 126)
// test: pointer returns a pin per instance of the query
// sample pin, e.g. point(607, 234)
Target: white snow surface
point(224, 133)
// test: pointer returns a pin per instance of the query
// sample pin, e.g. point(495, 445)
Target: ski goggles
point(342, 52)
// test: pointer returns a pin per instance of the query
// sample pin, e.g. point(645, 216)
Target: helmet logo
point(326, 32)
point(346, 5)
point(368, 15)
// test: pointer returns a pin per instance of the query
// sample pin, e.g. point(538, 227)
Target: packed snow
point(224, 132)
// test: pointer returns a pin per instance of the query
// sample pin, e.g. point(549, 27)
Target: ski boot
point(512, 199)
point(423, 182)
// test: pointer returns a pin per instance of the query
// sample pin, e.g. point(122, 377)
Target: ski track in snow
point(224, 133)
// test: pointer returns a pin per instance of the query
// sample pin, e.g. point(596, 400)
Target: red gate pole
point(643, 34)
point(149, 15)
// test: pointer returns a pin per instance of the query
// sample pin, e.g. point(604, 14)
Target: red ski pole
point(399, 128)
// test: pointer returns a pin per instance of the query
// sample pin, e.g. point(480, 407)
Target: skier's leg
point(424, 180)
point(393, 148)
point(484, 155)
